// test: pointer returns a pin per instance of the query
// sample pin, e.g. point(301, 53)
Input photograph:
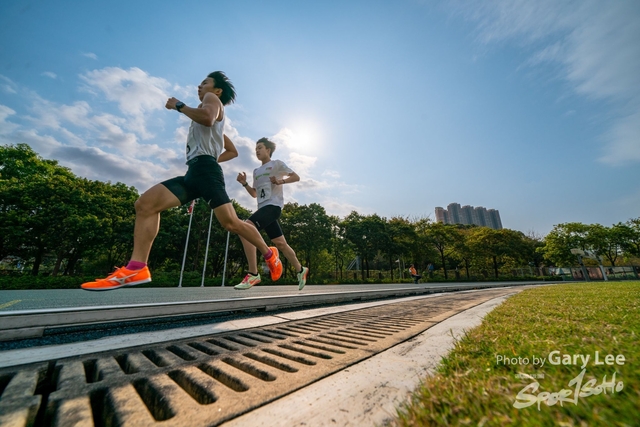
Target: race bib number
point(264, 192)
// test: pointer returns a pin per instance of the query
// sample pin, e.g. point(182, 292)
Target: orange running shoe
point(118, 279)
point(274, 264)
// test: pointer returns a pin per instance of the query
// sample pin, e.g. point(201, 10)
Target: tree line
point(53, 220)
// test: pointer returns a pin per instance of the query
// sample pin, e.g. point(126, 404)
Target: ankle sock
point(253, 274)
point(136, 265)
point(268, 255)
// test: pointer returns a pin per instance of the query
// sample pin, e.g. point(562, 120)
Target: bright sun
point(305, 136)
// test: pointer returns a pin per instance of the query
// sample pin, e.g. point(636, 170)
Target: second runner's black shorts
point(266, 218)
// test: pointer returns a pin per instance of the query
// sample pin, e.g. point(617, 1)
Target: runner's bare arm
point(242, 179)
point(287, 179)
point(229, 152)
point(205, 114)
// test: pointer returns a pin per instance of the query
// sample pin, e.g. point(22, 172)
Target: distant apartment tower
point(456, 214)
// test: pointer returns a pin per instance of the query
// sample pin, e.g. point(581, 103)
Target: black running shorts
point(204, 179)
point(266, 218)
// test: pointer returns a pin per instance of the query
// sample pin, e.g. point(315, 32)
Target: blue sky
point(387, 107)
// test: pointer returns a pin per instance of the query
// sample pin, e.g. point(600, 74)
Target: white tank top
point(204, 140)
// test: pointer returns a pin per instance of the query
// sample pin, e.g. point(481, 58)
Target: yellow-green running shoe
point(302, 278)
point(248, 282)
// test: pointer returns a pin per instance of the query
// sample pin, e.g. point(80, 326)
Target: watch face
point(179, 105)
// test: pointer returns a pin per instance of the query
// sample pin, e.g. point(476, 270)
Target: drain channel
point(208, 380)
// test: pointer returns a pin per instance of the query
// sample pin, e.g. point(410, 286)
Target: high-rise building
point(442, 216)
point(453, 210)
point(466, 215)
point(454, 214)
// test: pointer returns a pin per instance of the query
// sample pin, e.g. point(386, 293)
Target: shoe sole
point(110, 288)
point(242, 286)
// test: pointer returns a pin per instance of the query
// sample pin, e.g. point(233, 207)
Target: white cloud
point(7, 85)
point(331, 173)
point(284, 136)
point(136, 93)
point(595, 43)
point(623, 140)
point(5, 126)
point(50, 75)
point(300, 163)
point(90, 55)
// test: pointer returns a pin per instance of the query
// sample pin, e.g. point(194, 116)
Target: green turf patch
point(532, 352)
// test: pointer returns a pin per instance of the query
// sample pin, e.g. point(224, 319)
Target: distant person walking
point(414, 274)
point(267, 187)
point(430, 269)
point(204, 178)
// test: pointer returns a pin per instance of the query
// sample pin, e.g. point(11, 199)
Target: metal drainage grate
point(206, 381)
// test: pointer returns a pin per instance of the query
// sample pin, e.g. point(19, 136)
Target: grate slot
point(285, 333)
point(153, 399)
point(222, 344)
point(294, 358)
point(400, 322)
point(125, 365)
point(271, 362)
point(104, 414)
point(364, 334)
point(241, 341)
point(182, 353)
point(249, 369)
point(194, 388)
point(343, 340)
point(311, 327)
point(224, 378)
point(324, 347)
point(331, 342)
point(305, 351)
point(156, 358)
point(253, 337)
point(204, 348)
point(91, 371)
point(330, 323)
point(389, 325)
point(369, 333)
point(382, 328)
point(4, 381)
point(372, 331)
point(294, 329)
point(351, 336)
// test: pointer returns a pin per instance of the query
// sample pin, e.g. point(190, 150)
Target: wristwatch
point(179, 105)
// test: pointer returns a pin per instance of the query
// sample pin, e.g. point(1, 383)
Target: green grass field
point(493, 367)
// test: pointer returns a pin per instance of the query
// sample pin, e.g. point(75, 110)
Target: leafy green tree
point(341, 248)
point(368, 235)
point(443, 238)
point(564, 237)
point(631, 240)
point(308, 230)
point(607, 241)
point(500, 246)
point(33, 197)
point(402, 242)
point(462, 251)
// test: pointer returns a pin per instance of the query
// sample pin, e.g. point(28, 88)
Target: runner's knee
point(143, 206)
